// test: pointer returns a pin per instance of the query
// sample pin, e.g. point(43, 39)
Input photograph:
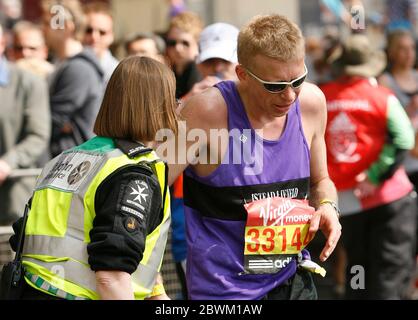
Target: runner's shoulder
point(312, 99)
point(205, 109)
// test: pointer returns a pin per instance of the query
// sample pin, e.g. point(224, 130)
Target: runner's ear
point(241, 73)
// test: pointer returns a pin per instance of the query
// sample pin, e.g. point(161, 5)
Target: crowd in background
point(52, 81)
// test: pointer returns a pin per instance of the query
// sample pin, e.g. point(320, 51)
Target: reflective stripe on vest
point(45, 286)
point(82, 274)
point(69, 245)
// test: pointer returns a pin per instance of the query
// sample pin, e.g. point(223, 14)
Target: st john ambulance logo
point(139, 192)
point(79, 172)
point(136, 198)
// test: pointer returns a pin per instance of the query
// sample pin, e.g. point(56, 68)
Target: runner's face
point(272, 70)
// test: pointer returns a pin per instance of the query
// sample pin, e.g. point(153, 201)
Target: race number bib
point(276, 231)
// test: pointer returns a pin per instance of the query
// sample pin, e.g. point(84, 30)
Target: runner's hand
point(326, 219)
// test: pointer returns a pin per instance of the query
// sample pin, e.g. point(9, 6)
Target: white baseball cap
point(218, 40)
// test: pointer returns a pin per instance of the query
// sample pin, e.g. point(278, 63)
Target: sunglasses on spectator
point(21, 48)
point(90, 30)
point(173, 43)
point(277, 87)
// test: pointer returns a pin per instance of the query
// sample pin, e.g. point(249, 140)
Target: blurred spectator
point(24, 132)
point(29, 50)
point(402, 79)
point(330, 44)
point(176, 7)
point(146, 45)
point(10, 13)
point(401, 76)
point(28, 41)
point(367, 136)
point(400, 14)
point(217, 58)
point(76, 87)
point(99, 35)
point(218, 51)
point(182, 50)
point(314, 54)
point(39, 67)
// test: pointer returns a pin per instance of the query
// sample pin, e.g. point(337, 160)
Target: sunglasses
point(21, 48)
point(90, 30)
point(277, 87)
point(173, 43)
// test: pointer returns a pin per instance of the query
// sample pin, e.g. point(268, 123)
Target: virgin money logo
point(274, 213)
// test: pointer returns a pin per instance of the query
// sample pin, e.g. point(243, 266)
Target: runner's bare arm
point(199, 112)
point(175, 167)
point(325, 218)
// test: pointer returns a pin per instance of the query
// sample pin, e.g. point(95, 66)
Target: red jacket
point(356, 128)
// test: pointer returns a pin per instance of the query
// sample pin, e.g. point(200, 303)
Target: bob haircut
point(139, 100)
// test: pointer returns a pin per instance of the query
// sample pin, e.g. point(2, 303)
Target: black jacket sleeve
point(128, 207)
point(17, 229)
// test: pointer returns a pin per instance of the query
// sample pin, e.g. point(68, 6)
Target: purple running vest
point(214, 211)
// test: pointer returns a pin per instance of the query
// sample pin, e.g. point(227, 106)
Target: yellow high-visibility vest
point(61, 216)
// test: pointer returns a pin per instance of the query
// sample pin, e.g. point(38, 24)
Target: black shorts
point(298, 287)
